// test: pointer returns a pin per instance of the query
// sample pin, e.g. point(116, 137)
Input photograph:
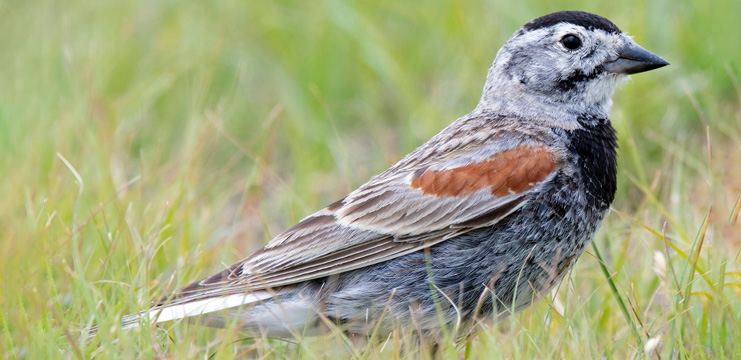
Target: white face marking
point(535, 76)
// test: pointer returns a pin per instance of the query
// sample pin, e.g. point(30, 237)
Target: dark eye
point(571, 42)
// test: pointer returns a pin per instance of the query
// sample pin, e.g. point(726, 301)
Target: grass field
point(146, 144)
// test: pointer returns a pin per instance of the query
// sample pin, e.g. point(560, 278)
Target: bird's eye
point(571, 42)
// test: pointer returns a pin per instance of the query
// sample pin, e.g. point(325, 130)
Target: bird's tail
point(184, 307)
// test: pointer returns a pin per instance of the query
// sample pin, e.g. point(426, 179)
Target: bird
point(481, 220)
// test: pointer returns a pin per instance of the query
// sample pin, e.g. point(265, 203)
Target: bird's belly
point(488, 270)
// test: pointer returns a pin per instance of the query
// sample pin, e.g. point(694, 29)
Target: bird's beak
point(632, 58)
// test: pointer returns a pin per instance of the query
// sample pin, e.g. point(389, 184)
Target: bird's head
point(569, 60)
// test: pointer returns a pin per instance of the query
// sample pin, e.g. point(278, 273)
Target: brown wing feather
point(392, 215)
point(508, 172)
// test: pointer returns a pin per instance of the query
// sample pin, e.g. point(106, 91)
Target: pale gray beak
point(632, 58)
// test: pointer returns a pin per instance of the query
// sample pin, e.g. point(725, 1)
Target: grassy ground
point(146, 144)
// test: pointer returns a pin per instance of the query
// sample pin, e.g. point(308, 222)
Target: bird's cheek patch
point(508, 172)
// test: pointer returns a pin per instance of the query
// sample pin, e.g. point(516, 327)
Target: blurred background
point(146, 144)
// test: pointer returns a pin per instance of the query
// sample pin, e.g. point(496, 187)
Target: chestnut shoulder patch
point(508, 172)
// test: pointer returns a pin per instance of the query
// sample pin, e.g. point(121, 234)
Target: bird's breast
point(593, 149)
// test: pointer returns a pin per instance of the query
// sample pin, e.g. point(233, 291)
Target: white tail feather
point(205, 306)
point(188, 309)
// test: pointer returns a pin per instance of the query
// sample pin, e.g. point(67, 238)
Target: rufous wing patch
point(507, 172)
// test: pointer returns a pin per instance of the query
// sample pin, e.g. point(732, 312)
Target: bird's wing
point(412, 206)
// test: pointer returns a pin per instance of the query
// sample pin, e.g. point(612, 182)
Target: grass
point(145, 145)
